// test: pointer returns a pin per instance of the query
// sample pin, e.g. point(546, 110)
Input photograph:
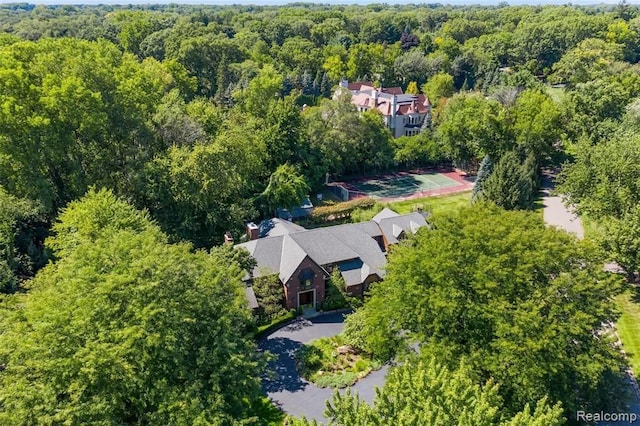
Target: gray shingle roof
point(409, 223)
point(323, 247)
point(252, 302)
point(351, 246)
point(370, 228)
point(292, 256)
point(363, 244)
point(274, 227)
point(268, 254)
point(384, 214)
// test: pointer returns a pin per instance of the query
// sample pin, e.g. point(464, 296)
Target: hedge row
point(341, 210)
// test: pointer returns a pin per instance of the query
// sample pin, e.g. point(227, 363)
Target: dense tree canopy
point(604, 179)
point(20, 237)
point(125, 328)
point(523, 304)
point(208, 116)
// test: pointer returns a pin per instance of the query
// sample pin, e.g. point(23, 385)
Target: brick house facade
point(306, 286)
point(304, 259)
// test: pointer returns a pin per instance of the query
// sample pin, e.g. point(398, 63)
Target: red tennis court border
point(466, 184)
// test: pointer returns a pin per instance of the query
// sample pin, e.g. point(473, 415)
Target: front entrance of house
point(306, 298)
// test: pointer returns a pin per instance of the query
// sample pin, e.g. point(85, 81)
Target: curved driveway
point(284, 386)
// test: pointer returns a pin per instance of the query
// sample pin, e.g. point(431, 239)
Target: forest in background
point(194, 115)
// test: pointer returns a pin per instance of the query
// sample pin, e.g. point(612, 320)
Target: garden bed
point(331, 363)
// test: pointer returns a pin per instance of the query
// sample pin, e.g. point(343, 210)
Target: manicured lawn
point(589, 225)
point(629, 328)
point(442, 203)
point(438, 204)
point(557, 93)
point(320, 362)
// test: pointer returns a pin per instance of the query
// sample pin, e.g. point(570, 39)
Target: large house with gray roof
point(303, 258)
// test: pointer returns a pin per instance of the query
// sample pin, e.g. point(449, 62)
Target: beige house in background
point(403, 114)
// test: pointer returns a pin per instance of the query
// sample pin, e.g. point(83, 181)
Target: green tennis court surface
point(394, 186)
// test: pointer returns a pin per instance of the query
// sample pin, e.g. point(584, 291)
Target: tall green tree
point(536, 125)
point(469, 128)
point(125, 328)
point(286, 188)
point(428, 393)
point(498, 289)
point(283, 133)
point(604, 180)
point(620, 240)
point(511, 184)
point(76, 113)
point(486, 167)
point(437, 87)
point(198, 193)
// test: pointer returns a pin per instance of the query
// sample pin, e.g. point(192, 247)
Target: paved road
point(556, 214)
point(286, 388)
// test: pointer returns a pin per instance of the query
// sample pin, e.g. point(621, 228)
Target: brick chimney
point(253, 232)
point(228, 238)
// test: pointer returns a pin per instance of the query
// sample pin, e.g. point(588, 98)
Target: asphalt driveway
point(556, 214)
point(293, 394)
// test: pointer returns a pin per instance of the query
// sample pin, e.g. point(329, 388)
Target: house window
point(306, 279)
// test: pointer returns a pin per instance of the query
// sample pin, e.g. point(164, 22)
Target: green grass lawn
point(629, 328)
point(437, 204)
point(558, 94)
point(590, 226)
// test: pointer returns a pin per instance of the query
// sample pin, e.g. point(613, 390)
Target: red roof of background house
point(392, 90)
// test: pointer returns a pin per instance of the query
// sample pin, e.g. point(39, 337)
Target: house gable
point(303, 258)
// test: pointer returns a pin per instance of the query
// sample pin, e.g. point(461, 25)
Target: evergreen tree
point(511, 184)
point(270, 297)
point(227, 99)
point(466, 86)
point(287, 85)
point(412, 88)
point(306, 83)
point(325, 86)
point(486, 166)
point(316, 84)
point(408, 40)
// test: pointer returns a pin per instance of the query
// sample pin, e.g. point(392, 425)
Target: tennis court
point(406, 185)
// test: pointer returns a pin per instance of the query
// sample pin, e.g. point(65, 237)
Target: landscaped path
point(556, 214)
point(293, 394)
